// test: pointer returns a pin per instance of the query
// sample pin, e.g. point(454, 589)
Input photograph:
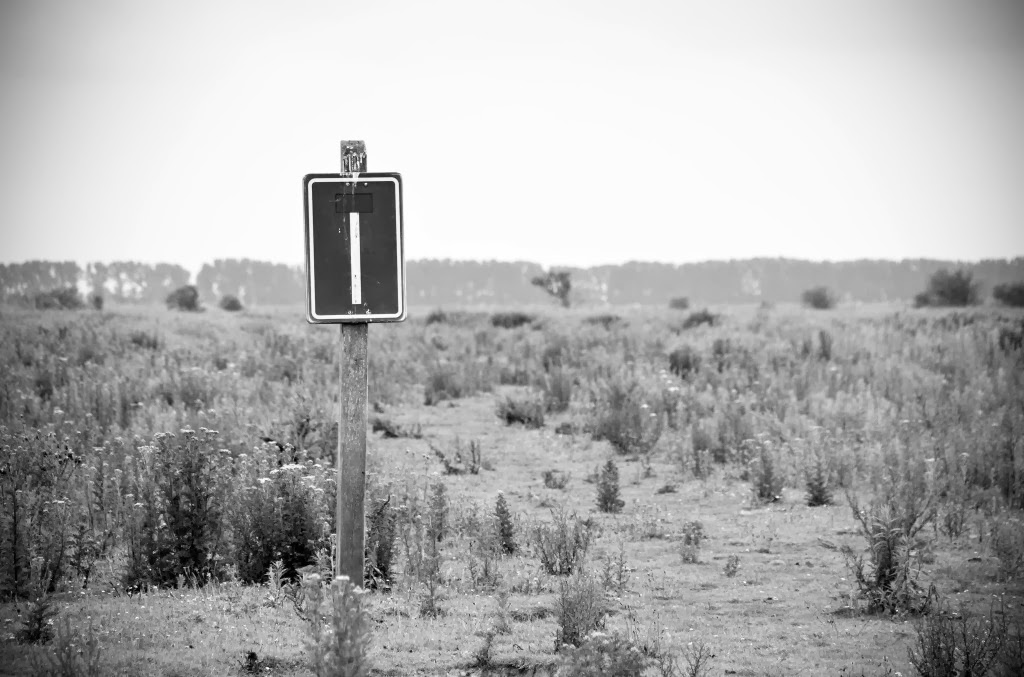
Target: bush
point(1010, 294)
point(337, 625)
point(623, 417)
point(890, 583)
point(679, 303)
point(607, 320)
point(510, 320)
point(765, 480)
point(949, 289)
point(562, 545)
point(820, 298)
point(527, 410)
point(950, 643)
point(96, 301)
point(444, 382)
point(558, 385)
point(608, 489)
point(555, 479)
point(176, 527)
point(700, 317)
point(230, 303)
point(819, 491)
point(66, 298)
point(437, 317)
point(184, 298)
point(602, 654)
point(505, 527)
point(581, 609)
point(683, 361)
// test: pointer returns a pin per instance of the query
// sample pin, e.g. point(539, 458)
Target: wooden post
point(350, 516)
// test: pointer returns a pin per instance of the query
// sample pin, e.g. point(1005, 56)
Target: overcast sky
point(567, 133)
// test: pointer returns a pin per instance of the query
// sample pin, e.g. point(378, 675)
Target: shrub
point(179, 485)
point(558, 385)
point(505, 527)
point(381, 528)
point(1009, 294)
point(679, 303)
point(623, 417)
point(527, 410)
point(765, 480)
point(96, 301)
point(65, 298)
point(684, 361)
point(437, 317)
point(949, 289)
point(819, 491)
point(562, 545)
point(950, 643)
point(555, 479)
point(580, 610)
point(184, 298)
point(603, 654)
point(692, 537)
point(510, 320)
point(820, 298)
point(337, 627)
point(889, 584)
point(1007, 543)
point(230, 303)
point(700, 317)
point(608, 489)
point(607, 320)
point(444, 382)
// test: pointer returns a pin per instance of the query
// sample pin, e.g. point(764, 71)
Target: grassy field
point(146, 543)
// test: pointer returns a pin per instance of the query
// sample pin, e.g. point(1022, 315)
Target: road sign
point(355, 260)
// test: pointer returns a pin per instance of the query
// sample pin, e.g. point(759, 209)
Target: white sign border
point(399, 249)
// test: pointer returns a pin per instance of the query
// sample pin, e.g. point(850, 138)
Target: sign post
point(355, 272)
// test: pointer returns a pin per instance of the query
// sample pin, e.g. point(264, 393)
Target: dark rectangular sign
point(355, 262)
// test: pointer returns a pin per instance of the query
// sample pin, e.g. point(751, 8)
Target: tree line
point(435, 283)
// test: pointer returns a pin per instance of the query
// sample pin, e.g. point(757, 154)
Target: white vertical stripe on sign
point(357, 272)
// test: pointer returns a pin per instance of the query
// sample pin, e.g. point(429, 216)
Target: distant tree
point(949, 289)
point(821, 298)
point(679, 303)
point(230, 303)
point(556, 283)
point(184, 298)
point(1010, 294)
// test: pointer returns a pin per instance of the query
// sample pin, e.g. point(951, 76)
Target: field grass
point(908, 410)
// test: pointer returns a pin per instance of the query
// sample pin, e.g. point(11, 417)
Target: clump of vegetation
point(555, 479)
point(1009, 294)
point(765, 480)
point(684, 361)
point(556, 283)
point(460, 464)
point(603, 654)
point(558, 385)
point(96, 301)
point(1007, 543)
point(511, 320)
point(65, 298)
point(184, 298)
point(818, 481)
point(562, 545)
point(505, 527)
point(444, 382)
point(958, 643)
point(526, 410)
point(608, 489)
point(692, 537)
point(679, 303)
point(623, 416)
point(889, 583)
point(381, 530)
point(581, 609)
point(337, 626)
point(606, 320)
point(700, 317)
point(949, 289)
point(437, 316)
point(230, 303)
point(820, 298)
